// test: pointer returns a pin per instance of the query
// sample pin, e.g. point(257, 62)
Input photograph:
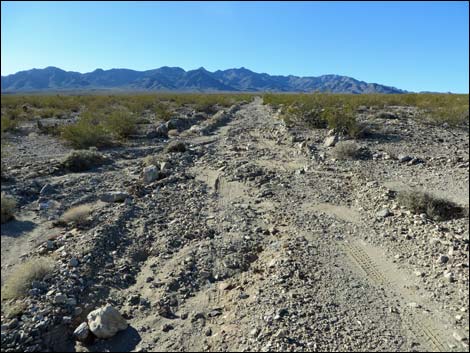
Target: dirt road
point(259, 241)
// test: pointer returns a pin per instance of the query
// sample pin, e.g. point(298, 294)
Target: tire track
point(426, 331)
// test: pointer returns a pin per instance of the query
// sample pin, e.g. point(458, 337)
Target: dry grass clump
point(82, 160)
point(176, 146)
point(151, 160)
point(346, 150)
point(173, 133)
point(436, 208)
point(19, 281)
point(77, 215)
point(14, 309)
point(8, 208)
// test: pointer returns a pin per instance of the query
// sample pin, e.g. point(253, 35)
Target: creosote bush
point(85, 133)
point(19, 281)
point(435, 208)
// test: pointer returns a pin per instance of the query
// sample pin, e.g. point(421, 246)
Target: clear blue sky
point(411, 45)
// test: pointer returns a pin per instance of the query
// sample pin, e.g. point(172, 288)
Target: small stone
point(443, 259)
point(449, 276)
point(73, 262)
point(67, 320)
point(402, 158)
point(215, 312)
point(167, 327)
point(134, 299)
point(60, 298)
point(114, 196)
point(82, 332)
point(384, 213)
point(150, 174)
point(208, 332)
point(330, 141)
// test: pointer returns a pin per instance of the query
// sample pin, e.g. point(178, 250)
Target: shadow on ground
point(124, 341)
point(17, 228)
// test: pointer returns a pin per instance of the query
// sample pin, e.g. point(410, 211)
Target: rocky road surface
point(257, 240)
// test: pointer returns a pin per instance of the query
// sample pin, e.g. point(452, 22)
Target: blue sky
point(411, 45)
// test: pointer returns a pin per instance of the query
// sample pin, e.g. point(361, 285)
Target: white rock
point(330, 141)
point(150, 174)
point(105, 322)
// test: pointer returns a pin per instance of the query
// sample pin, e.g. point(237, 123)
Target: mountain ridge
point(168, 78)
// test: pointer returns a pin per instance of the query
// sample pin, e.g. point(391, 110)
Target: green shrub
point(120, 123)
point(163, 112)
point(86, 133)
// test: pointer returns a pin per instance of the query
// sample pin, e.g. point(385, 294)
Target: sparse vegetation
point(420, 202)
point(19, 281)
point(86, 133)
point(82, 160)
point(77, 215)
point(339, 110)
point(120, 123)
point(151, 160)
point(176, 146)
point(346, 150)
point(8, 208)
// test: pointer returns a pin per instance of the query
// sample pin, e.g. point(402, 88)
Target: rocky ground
point(253, 239)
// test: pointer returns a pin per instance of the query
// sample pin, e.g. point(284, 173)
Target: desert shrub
point(8, 208)
point(82, 160)
point(436, 208)
point(14, 309)
point(77, 215)
point(176, 146)
point(342, 120)
point(19, 281)
point(86, 133)
point(163, 112)
point(120, 123)
point(346, 150)
point(151, 160)
point(8, 124)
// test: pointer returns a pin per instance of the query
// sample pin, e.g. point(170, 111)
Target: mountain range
point(176, 79)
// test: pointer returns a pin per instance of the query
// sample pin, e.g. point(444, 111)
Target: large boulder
point(106, 321)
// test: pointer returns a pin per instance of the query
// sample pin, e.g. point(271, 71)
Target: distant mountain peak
point(168, 78)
